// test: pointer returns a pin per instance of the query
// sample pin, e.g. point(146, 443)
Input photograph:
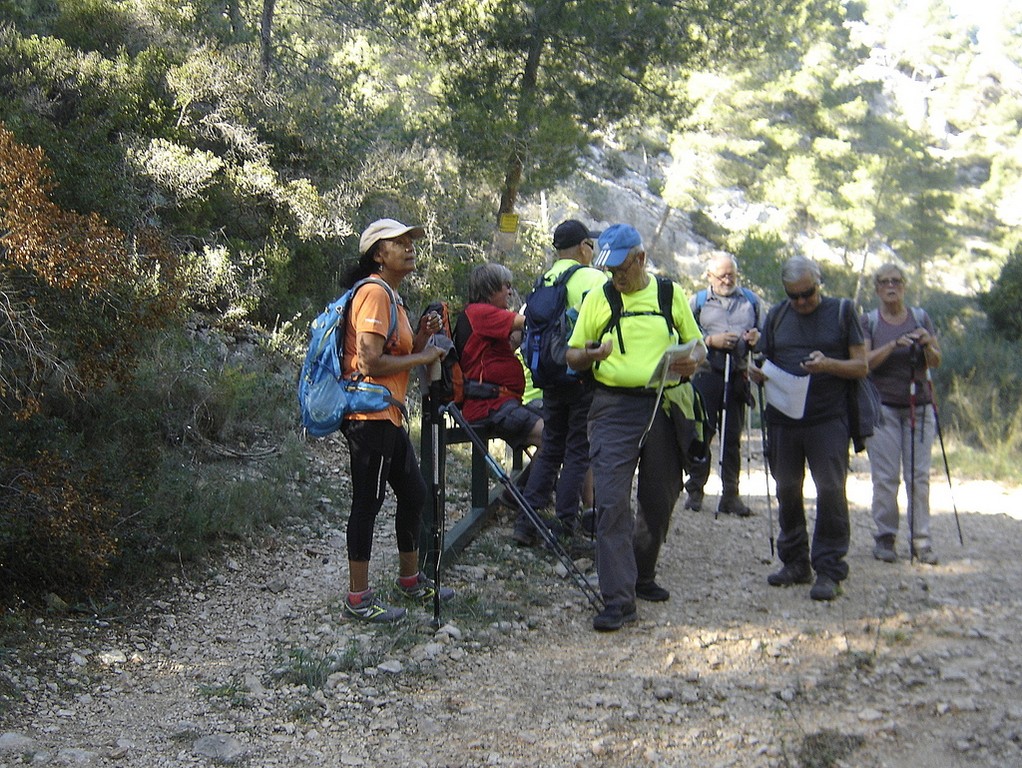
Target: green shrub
point(1004, 298)
point(760, 256)
point(198, 448)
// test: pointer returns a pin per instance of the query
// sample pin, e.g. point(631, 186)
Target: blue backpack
point(548, 324)
point(325, 395)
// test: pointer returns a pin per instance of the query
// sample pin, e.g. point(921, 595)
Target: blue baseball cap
point(615, 243)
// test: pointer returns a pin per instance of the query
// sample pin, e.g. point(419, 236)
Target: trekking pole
point(439, 442)
point(943, 453)
point(766, 465)
point(912, 469)
point(723, 422)
point(595, 600)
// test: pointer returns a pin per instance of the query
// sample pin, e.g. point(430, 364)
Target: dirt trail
point(911, 666)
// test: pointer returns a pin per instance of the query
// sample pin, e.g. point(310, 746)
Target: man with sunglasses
point(809, 335)
point(630, 427)
point(565, 447)
point(728, 316)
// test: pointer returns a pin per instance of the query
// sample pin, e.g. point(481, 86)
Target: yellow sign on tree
point(508, 222)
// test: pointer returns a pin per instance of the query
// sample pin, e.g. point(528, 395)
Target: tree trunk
point(265, 30)
point(234, 14)
point(546, 18)
point(659, 230)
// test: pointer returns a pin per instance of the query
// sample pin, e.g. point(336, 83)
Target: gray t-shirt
point(790, 337)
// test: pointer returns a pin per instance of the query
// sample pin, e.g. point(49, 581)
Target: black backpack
point(665, 298)
point(693, 434)
point(548, 324)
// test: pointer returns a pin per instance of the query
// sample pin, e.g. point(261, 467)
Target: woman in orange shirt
point(379, 446)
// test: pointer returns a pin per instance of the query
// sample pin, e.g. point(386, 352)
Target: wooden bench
point(483, 495)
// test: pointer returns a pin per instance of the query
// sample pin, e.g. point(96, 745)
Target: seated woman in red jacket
point(486, 336)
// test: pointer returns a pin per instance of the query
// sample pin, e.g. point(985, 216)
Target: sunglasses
point(806, 294)
point(590, 243)
point(890, 282)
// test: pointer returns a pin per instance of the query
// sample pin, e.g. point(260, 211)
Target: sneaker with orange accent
point(370, 608)
point(424, 589)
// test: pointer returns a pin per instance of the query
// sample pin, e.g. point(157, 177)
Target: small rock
point(17, 743)
point(109, 658)
point(219, 747)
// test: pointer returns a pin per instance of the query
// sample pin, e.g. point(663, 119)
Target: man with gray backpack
point(730, 318)
point(550, 310)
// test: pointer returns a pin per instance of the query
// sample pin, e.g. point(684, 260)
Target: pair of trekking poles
point(914, 357)
point(438, 410)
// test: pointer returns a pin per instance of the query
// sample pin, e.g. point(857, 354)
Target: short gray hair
point(721, 256)
point(486, 280)
point(797, 267)
point(887, 269)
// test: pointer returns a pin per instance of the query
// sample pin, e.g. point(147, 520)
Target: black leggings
point(382, 453)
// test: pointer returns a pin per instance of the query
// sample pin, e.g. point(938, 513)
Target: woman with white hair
point(901, 345)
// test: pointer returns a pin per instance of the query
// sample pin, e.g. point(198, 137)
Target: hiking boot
point(579, 547)
point(576, 546)
point(694, 501)
point(587, 522)
point(732, 505)
point(524, 536)
point(651, 592)
point(927, 556)
point(883, 550)
point(825, 588)
point(424, 590)
point(614, 617)
point(370, 608)
point(791, 573)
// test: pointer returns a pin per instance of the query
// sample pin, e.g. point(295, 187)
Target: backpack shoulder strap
point(462, 330)
point(665, 296)
point(392, 327)
point(918, 315)
point(872, 318)
point(616, 308)
point(565, 276)
point(774, 316)
point(701, 295)
point(753, 299)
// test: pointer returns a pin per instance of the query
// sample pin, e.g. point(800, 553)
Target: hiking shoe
point(614, 617)
point(370, 608)
point(424, 590)
point(790, 573)
point(579, 547)
point(883, 550)
point(694, 501)
point(524, 537)
point(927, 556)
point(652, 592)
point(825, 588)
point(732, 505)
point(587, 522)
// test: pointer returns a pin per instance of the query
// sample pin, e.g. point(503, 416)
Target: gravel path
point(251, 662)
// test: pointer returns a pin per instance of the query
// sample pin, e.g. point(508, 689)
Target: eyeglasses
point(624, 266)
point(729, 276)
point(590, 243)
point(891, 282)
point(806, 294)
